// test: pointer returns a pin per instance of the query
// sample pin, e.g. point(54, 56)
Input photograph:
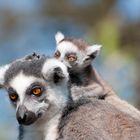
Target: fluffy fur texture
point(84, 52)
point(3, 69)
point(58, 37)
point(21, 83)
point(97, 120)
point(57, 117)
point(38, 115)
point(51, 64)
point(84, 76)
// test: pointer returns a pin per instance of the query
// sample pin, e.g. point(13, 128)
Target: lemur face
point(36, 88)
point(74, 53)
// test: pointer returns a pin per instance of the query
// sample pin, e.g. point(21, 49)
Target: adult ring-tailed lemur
point(39, 89)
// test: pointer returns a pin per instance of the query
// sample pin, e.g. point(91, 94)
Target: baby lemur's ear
point(58, 37)
point(55, 71)
point(92, 52)
point(3, 70)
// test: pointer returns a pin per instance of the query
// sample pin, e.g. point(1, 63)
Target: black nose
point(25, 116)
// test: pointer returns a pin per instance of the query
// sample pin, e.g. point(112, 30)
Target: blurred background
point(30, 25)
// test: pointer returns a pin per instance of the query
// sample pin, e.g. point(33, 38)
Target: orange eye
point(57, 54)
point(72, 58)
point(13, 97)
point(37, 91)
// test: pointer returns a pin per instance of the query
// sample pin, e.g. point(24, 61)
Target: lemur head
point(36, 88)
point(75, 53)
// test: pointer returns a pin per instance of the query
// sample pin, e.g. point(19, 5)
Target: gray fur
point(97, 120)
point(32, 67)
point(94, 86)
point(40, 113)
point(81, 44)
point(82, 119)
point(87, 82)
point(34, 55)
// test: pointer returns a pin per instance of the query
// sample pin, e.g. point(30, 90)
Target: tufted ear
point(55, 71)
point(58, 37)
point(3, 70)
point(92, 52)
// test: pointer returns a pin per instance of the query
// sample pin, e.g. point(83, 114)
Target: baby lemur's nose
point(24, 116)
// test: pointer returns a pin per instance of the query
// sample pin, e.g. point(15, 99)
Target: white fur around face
point(54, 63)
point(52, 128)
point(66, 46)
point(3, 69)
point(83, 56)
point(58, 93)
point(20, 83)
point(58, 37)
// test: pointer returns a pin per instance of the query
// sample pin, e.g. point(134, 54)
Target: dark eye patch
point(36, 91)
point(57, 54)
point(11, 90)
point(12, 94)
point(33, 86)
point(71, 56)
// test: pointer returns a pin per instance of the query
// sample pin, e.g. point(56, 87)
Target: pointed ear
point(55, 71)
point(3, 70)
point(92, 52)
point(58, 37)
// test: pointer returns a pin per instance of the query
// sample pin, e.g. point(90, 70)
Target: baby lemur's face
point(74, 53)
point(36, 88)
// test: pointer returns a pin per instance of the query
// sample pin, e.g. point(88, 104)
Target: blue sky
point(20, 5)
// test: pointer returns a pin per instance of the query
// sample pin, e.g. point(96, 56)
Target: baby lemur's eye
point(71, 57)
point(57, 54)
point(13, 97)
point(37, 91)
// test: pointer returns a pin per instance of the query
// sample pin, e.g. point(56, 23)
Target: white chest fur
point(51, 132)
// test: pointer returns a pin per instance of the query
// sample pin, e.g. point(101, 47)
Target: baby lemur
point(39, 89)
point(78, 56)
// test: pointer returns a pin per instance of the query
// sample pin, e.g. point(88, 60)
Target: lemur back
point(78, 57)
point(97, 120)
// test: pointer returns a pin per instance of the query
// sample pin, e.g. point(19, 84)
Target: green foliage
point(109, 36)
